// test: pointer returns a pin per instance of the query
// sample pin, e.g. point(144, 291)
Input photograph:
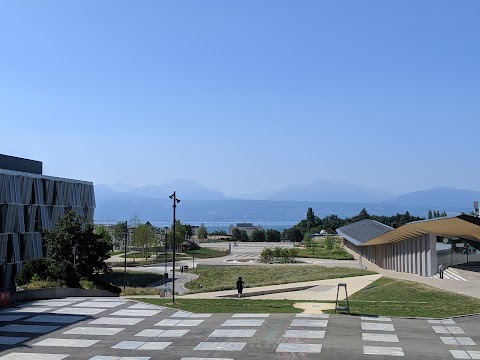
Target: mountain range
point(199, 203)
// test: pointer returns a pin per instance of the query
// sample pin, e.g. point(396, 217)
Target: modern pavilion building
point(417, 247)
point(29, 203)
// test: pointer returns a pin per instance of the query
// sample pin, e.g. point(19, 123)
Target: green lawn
point(134, 279)
point(392, 297)
point(243, 305)
point(337, 253)
point(206, 253)
point(318, 248)
point(113, 253)
point(225, 277)
point(384, 297)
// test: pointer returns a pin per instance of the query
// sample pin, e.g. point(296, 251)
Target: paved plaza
point(116, 328)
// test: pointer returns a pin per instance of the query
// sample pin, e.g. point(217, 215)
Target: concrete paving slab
point(305, 334)
point(33, 356)
point(116, 321)
point(12, 340)
point(299, 348)
point(60, 319)
point(80, 330)
point(56, 342)
point(380, 350)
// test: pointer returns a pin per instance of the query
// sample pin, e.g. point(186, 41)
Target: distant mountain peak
point(187, 189)
point(329, 191)
point(440, 197)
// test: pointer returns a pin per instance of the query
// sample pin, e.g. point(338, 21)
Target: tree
point(244, 236)
point(135, 220)
point(309, 243)
point(143, 237)
point(188, 231)
point(267, 255)
point(430, 215)
point(272, 235)
point(236, 235)
point(310, 218)
point(179, 233)
point(329, 242)
point(119, 233)
point(257, 236)
point(74, 238)
point(202, 232)
point(295, 235)
point(104, 233)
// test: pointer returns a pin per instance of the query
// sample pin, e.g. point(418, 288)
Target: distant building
point(29, 203)
point(248, 227)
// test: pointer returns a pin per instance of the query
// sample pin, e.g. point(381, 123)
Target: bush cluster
point(283, 255)
point(45, 269)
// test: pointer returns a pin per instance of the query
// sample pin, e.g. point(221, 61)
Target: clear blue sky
point(244, 96)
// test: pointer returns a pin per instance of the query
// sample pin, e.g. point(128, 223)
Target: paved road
point(116, 328)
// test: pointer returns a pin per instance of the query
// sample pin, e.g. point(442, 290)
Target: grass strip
point(134, 279)
point(243, 305)
point(206, 253)
point(336, 253)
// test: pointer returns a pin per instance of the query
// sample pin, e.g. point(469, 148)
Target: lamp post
point(193, 262)
point(175, 202)
point(165, 274)
point(125, 257)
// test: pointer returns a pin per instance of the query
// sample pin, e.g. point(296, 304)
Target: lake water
point(219, 225)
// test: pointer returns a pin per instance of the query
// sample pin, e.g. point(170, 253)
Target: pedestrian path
point(450, 274)
point(123, 329)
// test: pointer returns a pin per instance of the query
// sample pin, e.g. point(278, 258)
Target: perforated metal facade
point(30, 203)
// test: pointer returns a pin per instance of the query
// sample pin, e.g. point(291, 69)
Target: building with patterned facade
point(29, 203)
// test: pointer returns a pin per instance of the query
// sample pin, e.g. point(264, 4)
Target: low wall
point(56, 293)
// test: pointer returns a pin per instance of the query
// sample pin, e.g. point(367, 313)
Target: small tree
point(104, 233)
point(267, 255)
point(144, 238)
point(119, 233)
point(257, 236)
point(188, 231)
point(329, 242)
point(236, 235)
point(202, 232)
point(179, 233)
point(244, 236)
point(272, 235)
point(309, 243)
point(295, 235)
point(74, 240)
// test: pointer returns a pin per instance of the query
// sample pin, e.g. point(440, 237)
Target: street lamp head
point(171, 196)
point(178, 200)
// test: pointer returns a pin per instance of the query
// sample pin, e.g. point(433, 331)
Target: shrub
point(267, 255)
point(279, 254)
point(31, 268)
point(103, 285)
point(87, 284)
point(329, 243)
point(64, 271)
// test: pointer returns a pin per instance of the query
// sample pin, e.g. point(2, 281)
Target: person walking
point(440, 270)
point(240, 286)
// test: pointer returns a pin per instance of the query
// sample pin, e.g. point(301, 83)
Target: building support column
point(432, 239)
